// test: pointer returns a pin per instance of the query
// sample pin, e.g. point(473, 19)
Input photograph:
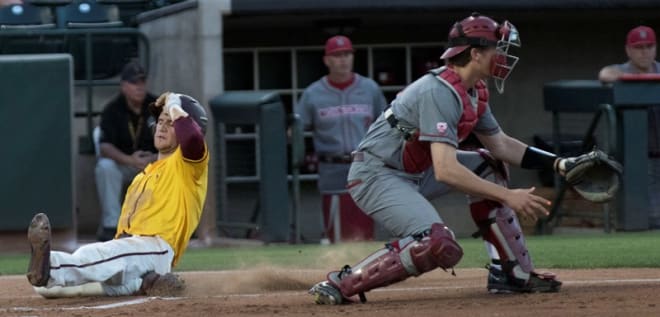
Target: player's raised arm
point(187, 117)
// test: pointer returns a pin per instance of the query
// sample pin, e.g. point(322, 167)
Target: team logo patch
point(442, 127)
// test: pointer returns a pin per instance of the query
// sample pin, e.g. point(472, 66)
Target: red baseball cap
point(338, 43)
point(640, 35)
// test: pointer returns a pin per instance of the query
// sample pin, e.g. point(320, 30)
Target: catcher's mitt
point(594, 175)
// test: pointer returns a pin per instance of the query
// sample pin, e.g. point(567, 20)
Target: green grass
point(558, 251)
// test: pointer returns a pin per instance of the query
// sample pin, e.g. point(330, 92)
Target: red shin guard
point(400, 260)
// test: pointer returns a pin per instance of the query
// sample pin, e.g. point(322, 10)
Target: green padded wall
point(264, 109)
point(37, 159)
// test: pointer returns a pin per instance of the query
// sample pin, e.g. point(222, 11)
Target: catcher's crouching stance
point(594, 175)
point(161, 210)
point(411, 155)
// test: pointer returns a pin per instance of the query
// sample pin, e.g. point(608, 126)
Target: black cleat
point(499, 283)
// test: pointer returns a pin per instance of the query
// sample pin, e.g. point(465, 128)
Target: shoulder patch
point(442, 127)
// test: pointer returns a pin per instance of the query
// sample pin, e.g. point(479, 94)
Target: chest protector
point(416, 153)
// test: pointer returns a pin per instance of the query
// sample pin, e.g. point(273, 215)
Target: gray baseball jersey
point(629, 69)
point(426, 105)
point(380, 186)
point(339, 119)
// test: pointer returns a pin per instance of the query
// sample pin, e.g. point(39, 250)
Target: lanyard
point(134, 131)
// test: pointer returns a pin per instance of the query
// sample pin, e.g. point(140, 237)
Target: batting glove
point(173, 107)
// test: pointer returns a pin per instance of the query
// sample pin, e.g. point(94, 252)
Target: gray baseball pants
point(111, 179)
point(397, 200)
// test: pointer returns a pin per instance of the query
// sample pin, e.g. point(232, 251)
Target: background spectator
point(126, 144)
point(339, 108)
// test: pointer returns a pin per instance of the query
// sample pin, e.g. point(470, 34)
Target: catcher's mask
point(189, 105)
point(480, 30)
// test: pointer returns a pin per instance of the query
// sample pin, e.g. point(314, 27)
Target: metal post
point(89, 88)
point(222, 172)
point(335, 216)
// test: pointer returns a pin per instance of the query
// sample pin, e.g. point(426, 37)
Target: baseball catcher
point(411, 155)
point(594, 175)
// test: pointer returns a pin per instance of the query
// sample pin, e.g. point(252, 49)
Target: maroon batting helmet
point(480, 30)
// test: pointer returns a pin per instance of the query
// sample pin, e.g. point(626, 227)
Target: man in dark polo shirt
point(126, 144)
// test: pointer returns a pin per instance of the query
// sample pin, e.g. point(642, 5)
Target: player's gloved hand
point(173, 107)
point(171, 103)
point(593, 175)
point(560, 165)
point(573, 168)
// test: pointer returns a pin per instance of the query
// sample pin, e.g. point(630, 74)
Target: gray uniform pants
point(111, 178)
point(397, 200)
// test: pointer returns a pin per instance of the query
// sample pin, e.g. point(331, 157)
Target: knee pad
point(399, 260)
point(438, 249)
point(499, 225)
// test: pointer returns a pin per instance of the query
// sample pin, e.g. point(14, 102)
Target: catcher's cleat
point(39, 237)
point(326, 294)
point(500, 283)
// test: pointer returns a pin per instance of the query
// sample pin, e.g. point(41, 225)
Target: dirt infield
point(271, 292)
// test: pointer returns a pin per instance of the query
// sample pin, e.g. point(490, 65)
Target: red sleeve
point(190, 138)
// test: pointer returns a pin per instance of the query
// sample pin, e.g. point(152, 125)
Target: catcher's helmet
point(194, 109)
point(480, 30)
